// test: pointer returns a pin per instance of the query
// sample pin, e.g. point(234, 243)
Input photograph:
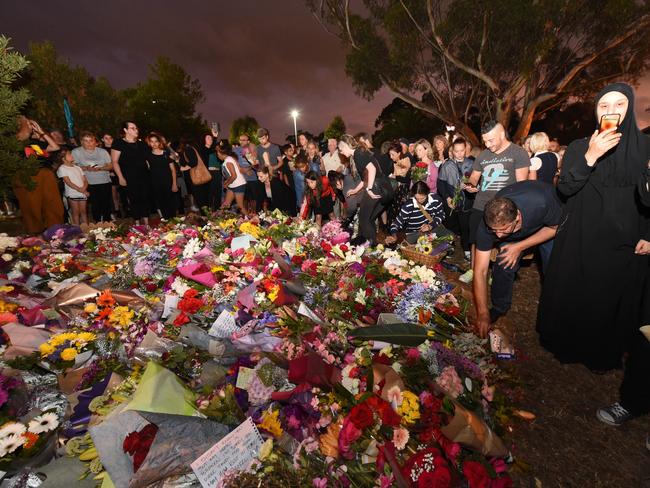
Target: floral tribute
point(357, 366)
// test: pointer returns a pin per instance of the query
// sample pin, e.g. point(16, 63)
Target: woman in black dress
point(593, 291)
point(189, 157)
point(163, 176)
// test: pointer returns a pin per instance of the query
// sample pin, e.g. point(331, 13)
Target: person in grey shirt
point(96, 165)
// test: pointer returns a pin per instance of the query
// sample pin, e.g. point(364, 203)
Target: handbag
point(199, 174)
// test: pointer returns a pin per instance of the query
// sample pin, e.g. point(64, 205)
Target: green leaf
point(400, 334)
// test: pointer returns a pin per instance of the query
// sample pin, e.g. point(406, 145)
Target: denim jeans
point(503, 279)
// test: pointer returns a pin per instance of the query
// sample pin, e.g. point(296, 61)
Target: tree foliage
point(498, 58)
point(12, 100)
point(166, 101)
point(400, 119)
point(94, 103)
point(244, 125)
point(335, 129)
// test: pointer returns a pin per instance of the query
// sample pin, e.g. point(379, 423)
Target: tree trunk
point(526, 121)
point(467, 132)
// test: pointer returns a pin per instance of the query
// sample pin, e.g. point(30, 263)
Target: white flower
point(179, 286)
point(7, 242)
point(12, 428)
point(350, 384)
point(44, 423)
point(360, 297)
point(7, 257)
point(10, 444)
point(192, 247)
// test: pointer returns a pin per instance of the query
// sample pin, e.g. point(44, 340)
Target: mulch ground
point(566, 445)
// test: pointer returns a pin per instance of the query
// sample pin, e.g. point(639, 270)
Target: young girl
point(76, 187)
point(234, 182)
point(319, 198)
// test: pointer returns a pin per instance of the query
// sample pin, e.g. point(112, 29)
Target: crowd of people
point(584, 209)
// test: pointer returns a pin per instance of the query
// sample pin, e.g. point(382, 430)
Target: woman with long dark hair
point(278, 194)
point(163, 175)
point(319, 197)
point(189, 158)
point(370, 207)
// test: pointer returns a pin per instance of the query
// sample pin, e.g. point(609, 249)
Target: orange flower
point(329, 441)
point(104, 313)
point(31, 440)
point(105, 299)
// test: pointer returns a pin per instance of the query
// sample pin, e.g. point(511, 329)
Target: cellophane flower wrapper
point(23, 340)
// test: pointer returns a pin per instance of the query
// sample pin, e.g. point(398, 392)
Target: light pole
point(294, 114)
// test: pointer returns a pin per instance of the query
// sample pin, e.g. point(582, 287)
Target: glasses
point(509, 229)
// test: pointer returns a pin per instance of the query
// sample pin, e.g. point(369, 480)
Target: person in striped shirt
point(420, 214)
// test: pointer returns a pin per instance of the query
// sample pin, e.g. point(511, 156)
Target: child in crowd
point(299, 177)
point(76, 187)
point(319, 198)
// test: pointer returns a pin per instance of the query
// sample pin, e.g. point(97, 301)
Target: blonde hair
point(539, 142)
point(427, 146)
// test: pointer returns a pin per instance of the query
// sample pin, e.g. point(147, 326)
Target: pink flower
point(450, 382)
point(319, 482)
point(394, 396)
point(385, 481)
point(400, 438)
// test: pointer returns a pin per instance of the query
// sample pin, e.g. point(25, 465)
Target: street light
point(294, 114)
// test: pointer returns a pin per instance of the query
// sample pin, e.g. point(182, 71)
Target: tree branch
point(481, 75)
point(347, 24)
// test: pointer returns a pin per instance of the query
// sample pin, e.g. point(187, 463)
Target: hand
point(390, 240)
point(450, 203)
point(425, 228)
point(599, 144)
point(374, 196)
point(86, 193)
point(174, 188)
point(470, 188)
point(482, 325)
point(642, 247)
point(351, 193)
point(36, 127)
point(508, 255)
point(121, 181)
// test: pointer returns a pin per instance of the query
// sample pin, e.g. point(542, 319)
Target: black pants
point(138, 192)
point(202, 195)
point(463, 224)
point(215, 190)
point(101, 200)
point(503, 279)
point(369, 210)
point(635, 389)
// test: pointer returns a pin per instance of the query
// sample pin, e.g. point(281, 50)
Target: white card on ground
point(244, 377)
point(224, 326)
point(308, 312)
point(171, 302)
point(241, 242)
point(235, 452)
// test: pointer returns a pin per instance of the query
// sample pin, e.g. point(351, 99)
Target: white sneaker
point(468, 255)
point(467, 276)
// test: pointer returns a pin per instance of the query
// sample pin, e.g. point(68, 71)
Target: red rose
point(361, 416)
point(326, 246)
point(181, 319)
point(440, 477)
point(344, 247)
point(503, 482)
point(297, 260)
point(348, 434)
point(476, 474)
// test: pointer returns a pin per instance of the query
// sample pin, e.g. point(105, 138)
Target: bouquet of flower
point(62, 350)
point(419, 171)
point(20, 440)
point(432, 244)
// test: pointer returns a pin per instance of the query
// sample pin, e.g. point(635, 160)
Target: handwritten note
point(235, 452)
point(224, 326)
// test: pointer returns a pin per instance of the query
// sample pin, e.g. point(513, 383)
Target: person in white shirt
point(331, 159)
point(76, 187)
point(96, 165)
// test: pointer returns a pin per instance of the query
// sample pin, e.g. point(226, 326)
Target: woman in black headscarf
point(594, 288)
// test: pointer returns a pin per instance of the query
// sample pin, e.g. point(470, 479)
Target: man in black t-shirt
point(521, 216)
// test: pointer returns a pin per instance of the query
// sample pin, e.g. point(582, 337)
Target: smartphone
point(609, 121)
point(215, 126)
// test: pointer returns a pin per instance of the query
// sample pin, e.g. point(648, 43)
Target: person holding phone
point(593, 290)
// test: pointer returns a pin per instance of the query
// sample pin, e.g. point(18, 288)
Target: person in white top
point(234, 182)
point(332, 160)
point(76, 187)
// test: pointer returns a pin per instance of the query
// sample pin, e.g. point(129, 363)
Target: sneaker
point(467, 276)
point(614, 415)
point(468, 256)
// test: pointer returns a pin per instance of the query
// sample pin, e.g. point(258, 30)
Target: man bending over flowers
point(521, 216)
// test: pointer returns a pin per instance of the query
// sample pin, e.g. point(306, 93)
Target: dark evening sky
point(256, 57)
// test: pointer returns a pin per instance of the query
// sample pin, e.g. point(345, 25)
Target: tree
point(166, 101)
point(399, 119)
point(12, 165)
point(244, 125)
point(568, 122)
point(94, 103)
point(336, 128)
point(501, 57)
